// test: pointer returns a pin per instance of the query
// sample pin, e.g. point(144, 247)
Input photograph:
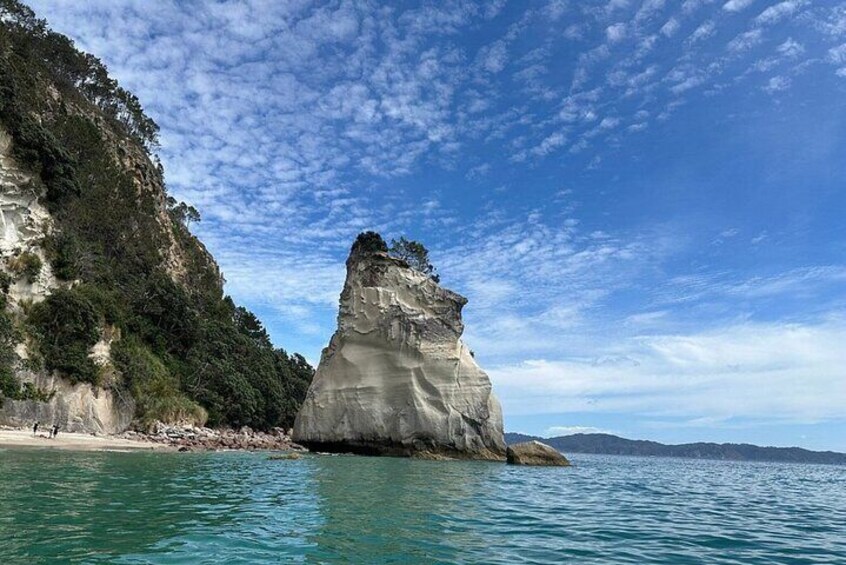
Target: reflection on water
point(243, 508)
point(401, 501)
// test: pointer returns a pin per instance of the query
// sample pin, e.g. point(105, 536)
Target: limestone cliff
point(111, 310)
point(79, 407)
point(396, 378)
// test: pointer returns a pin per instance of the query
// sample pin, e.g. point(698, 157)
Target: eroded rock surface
point(535, 453)
point(75, 407)
point(396, 378)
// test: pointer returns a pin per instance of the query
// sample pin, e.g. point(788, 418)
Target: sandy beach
point(74, 442)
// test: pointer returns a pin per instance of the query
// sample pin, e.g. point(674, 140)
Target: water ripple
point(243, 508)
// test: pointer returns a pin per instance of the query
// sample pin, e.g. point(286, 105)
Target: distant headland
point(607, 444)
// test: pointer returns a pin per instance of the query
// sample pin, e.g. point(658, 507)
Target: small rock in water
point(284, 456)
point(535, 453)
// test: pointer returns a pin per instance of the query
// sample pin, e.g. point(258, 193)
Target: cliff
point(111, 310)
point(25, 222)
point(396, 378)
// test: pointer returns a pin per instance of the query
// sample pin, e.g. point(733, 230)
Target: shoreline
point(71, 441)
point(162, 438)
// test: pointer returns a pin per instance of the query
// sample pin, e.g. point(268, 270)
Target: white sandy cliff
point(396, 378)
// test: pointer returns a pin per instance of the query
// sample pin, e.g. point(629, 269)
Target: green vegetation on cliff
point(123, 252)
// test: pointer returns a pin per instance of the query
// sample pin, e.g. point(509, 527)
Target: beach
point(74, 441)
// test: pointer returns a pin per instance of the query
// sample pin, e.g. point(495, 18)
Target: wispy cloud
point(737, 5)
point(554, 431)
point(719, 374)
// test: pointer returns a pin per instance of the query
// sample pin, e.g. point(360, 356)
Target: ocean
point(74, 507)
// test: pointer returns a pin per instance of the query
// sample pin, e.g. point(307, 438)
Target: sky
point(643, 200)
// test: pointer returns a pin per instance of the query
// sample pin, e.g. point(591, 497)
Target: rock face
point(23, 223)
point(395, 378)
point(76, 408)
point(535, 453)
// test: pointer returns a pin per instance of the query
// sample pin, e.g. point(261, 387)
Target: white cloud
point(670, 28)
point(645, 319)
point(837, 55)
point(616, 32)
point(737, 5)
point(791, 48)
point(753, 370)
point(494, 57)
point(779, 11)
point(745, 41)
point(777, 84)
point(702, 32)
point(557, 431)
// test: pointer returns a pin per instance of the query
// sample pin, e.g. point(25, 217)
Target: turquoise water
point(242, 508)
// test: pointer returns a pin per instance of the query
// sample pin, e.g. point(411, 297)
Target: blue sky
point(643, 200)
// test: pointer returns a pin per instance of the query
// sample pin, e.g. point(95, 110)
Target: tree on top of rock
point(369, 242)
point(415, 254)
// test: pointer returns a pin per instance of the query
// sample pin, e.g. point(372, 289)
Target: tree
point(182, 212)
point(67, 326)
point(369, 242)
point(249, 325)
point(415, 254)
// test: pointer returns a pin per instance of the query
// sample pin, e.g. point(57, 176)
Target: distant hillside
point(608, 444)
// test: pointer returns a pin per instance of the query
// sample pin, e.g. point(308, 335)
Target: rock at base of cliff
point(536, 454)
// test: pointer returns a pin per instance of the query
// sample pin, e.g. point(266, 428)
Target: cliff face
point(80, 407)
point(25, 222)
point(396, 378)
point(110, 309)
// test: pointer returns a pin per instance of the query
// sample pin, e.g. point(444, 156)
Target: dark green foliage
point(6, 281)
point(116, 230)
point(66, 256)
point(241, 380)
point(415, 254)
point(75, 73)
point(26, 265)
point(181, 212)
point(155, 390)
point(369, 242)
point(249, 325)
point(9, 386)
point(34, 145)
point(67, 326)
point(164, 315)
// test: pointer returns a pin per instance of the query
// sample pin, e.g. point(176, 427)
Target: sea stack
point(396, 379)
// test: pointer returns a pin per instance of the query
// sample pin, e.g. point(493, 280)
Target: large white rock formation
point(396, 378)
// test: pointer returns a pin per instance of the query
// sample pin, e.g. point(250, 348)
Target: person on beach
point(34, 429)
point(55, 430)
